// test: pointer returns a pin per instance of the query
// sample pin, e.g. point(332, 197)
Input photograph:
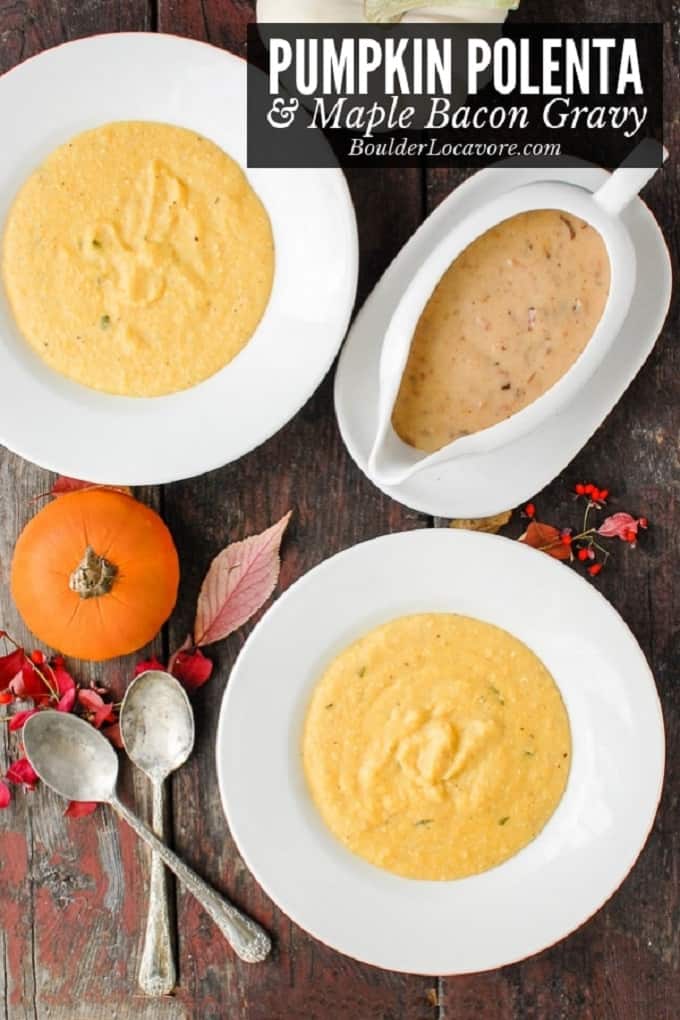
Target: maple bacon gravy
point(506, 321)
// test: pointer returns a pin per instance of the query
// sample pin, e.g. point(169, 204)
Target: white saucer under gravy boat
point(392, 461)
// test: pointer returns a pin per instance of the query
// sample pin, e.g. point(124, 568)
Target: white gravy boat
point(393, 461)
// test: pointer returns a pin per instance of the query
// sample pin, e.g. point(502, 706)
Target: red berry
point(583, 555)
point(589, 489)
point(580, 489)
point(595, 569)
point(604, 493)
point(565, 539)
point(6, 697)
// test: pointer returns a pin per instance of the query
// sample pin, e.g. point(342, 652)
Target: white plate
point(484, 484)
point(550, 887)
point(77, 431)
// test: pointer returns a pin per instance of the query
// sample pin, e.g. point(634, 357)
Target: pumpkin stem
point(94, 576)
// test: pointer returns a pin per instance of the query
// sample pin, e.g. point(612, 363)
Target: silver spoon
point(157, 727)
point(78, 763)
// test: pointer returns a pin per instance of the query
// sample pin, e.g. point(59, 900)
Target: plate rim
point(435, 503)
point(453, 536)
point(66, 461)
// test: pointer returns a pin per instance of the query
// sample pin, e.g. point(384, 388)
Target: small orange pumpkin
point(95, 574)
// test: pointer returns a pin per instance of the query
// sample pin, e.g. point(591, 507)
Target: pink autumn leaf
point(192, 668)
point(67, 701)
point(80, 808)
point(147, 664)
point(240, 580)
point(21, 772)
point(621, 526)
point(5, 794)
point(19, 718)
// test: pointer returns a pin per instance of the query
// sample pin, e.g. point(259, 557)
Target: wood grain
point(72, 893)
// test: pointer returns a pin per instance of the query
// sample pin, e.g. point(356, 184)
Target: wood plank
point(623, 964)
point(305, 467)
point(72, 893)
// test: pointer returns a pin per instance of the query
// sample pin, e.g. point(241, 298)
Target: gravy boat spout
point(393, 461)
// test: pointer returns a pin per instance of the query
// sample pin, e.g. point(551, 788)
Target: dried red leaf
point(80, 808)
point(240, 580)
point(19, 718)
point(21, 772)
point(112, 733)
point(5, 794)
point(100, 710)
point(63, 678)
point(147, 664)
point(30, 683)
point(10, 666)
point(192, 668)
point(184, 647)
point(547, 539)
point(67, 701)
point(63, 485)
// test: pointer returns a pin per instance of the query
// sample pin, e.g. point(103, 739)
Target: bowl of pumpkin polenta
point(440, 751)
point(165, 305)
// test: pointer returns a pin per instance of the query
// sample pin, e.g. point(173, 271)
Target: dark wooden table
point(73, 893)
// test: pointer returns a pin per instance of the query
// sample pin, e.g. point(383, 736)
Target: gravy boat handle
point(628, 181)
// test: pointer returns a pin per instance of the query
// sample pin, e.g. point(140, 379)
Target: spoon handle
point(246, 938)
point(157, 968)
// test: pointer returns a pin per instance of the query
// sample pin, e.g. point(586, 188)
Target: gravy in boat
point(507, 320)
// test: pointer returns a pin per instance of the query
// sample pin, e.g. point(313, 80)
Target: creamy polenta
point(137, 259)
point(506, 321)
point(436, 746)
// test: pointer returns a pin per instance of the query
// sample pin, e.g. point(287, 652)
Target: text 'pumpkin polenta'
point(95, 574)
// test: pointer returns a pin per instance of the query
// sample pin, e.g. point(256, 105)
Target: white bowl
point(551, 886)
point(392, 461)
point(76, 431)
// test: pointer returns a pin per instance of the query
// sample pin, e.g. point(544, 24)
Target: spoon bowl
point(71, 756)
point(157, 723)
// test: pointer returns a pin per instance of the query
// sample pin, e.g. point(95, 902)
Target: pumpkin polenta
point(436, 746)
point(137, 259)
